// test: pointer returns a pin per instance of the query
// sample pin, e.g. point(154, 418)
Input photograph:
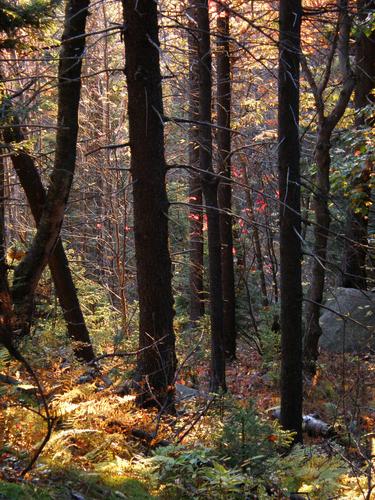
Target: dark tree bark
point(157, 360)
point(210, 188)
point(290, 217)
point(326, 125)
point(32, 185)
point(28, 272)
point(195, 188)
point(354, 269)
point(225, 188)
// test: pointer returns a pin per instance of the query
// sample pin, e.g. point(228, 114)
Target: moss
point(131, 488)
point(93, 488)
point(21, 491)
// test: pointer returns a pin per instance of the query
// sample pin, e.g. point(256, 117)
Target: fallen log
point(311, 424)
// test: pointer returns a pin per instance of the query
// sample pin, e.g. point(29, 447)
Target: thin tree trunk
point(62, 277)
point(210, 188)
point(6, 314)
point(290, 217)
point(256, 237)
point(28, 272)
point(225, 188)
point(321, 234)
point(4, 290)
point(273, 262)
point(157, 360)
point(195, 188)
point(354, 269)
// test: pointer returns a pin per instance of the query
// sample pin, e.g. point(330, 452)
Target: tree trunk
point(321, 234)
point(195, 188)
point(225, 188)
point(157, 359)
point(354, 269)
point(290, 217)
point(210, 188)
point(256, 237)
point(326, 125)
point(28, 272)
point(62, 277)
point(6, 315)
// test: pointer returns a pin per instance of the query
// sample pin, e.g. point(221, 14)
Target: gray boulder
point(356, 334)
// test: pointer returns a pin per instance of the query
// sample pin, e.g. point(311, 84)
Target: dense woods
point(187, 305)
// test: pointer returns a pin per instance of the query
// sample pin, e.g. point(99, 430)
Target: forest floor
point(101, 442)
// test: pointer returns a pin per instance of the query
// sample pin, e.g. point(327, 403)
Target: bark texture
point(225, 188)
point(157, 360)
point(210, 188)
point(290, 217)
point(195, 187)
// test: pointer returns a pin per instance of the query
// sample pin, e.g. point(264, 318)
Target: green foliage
point(250, 441)
point(270, 340)
point(195, 473)
point(64, 484)
point(31, 14)
point(102, 320)
point(15, 491)
point(202, 473)
point(310, 471)
point(351, 154)
point(365, 26)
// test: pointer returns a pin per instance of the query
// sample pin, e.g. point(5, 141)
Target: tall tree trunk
point(290, 217)
point(28, 272)
point(354, 269)
point(62, 277)
point(225, 188)
point(326, 125)
point(210, 188)
point(157, 358)
point(195, 188)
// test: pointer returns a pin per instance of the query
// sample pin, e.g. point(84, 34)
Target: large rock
point(356, 334)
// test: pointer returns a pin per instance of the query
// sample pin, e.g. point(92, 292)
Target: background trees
point(217, 189)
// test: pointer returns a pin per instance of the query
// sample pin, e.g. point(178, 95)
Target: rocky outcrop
point(352, 328)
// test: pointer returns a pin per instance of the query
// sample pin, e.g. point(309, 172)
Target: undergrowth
point(226, 448)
